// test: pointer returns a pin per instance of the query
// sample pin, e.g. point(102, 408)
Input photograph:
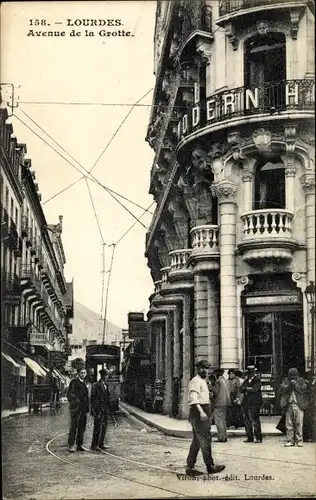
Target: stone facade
point(231, 246)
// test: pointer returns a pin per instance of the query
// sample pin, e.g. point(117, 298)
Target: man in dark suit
point(78, 398)
point(251, 404)
point(100, 409)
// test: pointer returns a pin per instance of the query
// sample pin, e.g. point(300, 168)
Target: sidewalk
point(182, 428)
point(12, 413)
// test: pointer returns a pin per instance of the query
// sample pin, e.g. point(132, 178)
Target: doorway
point(275, 341)
point(265, 69)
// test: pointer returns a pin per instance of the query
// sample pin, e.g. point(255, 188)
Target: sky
point(91, 69)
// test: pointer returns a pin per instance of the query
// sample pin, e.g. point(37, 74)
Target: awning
point(35, 367)
point(59, 375)
point(11, 360)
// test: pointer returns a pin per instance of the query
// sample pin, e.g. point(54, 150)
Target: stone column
point(176, 344)
point(167, 398)
point(247, 191)
point(226, 192)
point(241, 283)
point(201, 317)
point(290, 172)
point(187, 361)
point(212, 324)
point(308, 183)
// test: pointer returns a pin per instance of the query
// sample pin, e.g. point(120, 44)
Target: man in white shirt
point(199, 403)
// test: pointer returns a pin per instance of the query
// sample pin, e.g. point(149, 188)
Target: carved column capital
point(247, 176)
point(225, 191)
point(308, 183)
point(290, 171)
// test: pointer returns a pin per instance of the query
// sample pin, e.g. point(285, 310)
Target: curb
point(184, 433)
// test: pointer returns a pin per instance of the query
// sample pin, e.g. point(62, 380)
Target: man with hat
point(199, 404)
point(294, 401)
point(251, 404)
point(100, 409)
point(78, 398)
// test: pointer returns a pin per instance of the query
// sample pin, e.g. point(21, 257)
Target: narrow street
point(142, 464)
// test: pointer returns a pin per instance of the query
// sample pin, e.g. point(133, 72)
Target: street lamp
point(310, 297)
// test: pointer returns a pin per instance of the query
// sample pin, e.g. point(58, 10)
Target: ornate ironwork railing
point(228, 6)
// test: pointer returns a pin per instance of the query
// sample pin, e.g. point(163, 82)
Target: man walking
point(78, 398)
point(293, 391)
point(222, 402)
point(251, 404)
point(199, 404)
point(100, 408)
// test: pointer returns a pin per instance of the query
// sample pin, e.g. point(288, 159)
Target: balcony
point(34, 246)
point(194, 20)
point(164, 275)
point(4, 223)
point(271, 101)
point(179, 268)
point(229, 8)
point(267, 234)
point(25, 226)
point(157, 285)
point(205, 248)
point(19, 248)
point(30, 281)
point(11, 289)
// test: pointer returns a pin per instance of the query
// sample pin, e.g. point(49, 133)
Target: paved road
point(252, 470)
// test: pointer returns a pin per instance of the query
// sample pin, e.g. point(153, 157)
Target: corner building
point(231, 246)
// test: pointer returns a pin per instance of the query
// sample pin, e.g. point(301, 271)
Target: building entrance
point(275, 340)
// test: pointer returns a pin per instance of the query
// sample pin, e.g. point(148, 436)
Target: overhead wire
point(105, 324)
point(105, 188)
point(117, 130)
point(134, 224)
point(103, 279)
point(93, 178)
point(94, 210)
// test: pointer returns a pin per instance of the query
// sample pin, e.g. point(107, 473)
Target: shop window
point(265, 69)
point(269, 185)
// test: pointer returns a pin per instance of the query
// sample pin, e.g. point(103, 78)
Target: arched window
point(265, 69)
point(269, 184)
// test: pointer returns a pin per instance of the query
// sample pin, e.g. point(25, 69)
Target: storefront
point(273, 329)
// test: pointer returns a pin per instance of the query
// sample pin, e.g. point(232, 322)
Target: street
point(142, 463)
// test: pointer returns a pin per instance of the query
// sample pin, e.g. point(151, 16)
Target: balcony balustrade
point(179, 264)
point(164, 275)
point(4, 222)
point(267, 234)
point(205, 247)
point(158, 285)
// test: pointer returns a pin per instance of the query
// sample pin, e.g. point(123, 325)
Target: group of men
point(97, 403)
point(205, 405)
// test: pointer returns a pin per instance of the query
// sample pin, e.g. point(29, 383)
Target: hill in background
point(87, 325)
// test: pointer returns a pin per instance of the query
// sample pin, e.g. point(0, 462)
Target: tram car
point(105, 356)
